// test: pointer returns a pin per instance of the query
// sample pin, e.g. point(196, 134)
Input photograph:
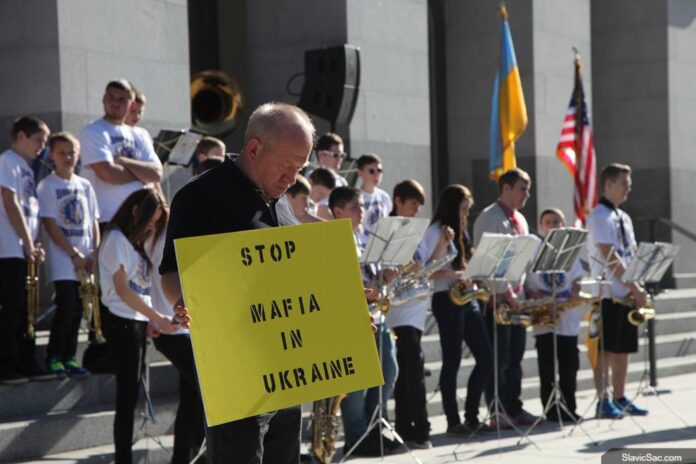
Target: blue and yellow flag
point(508, 111)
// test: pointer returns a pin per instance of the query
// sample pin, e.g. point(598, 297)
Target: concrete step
point(685, 280)
point(58, 396)
point(71, 430)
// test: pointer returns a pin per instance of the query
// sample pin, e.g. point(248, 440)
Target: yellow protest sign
point(279, 317)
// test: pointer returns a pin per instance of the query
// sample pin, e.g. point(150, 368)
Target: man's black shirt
point(218, 201)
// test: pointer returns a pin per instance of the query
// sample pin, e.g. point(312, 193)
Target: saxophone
point(543, 316)
point(638, 315)
point(325, 428)
point(460, 295)
point(32, 287)
point(90, 303)
point(505, 316)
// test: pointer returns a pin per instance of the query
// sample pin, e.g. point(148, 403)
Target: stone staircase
point(42, 419)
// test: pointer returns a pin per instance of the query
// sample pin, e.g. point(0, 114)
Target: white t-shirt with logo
point(17, 176)
point(604, 227)
point(114, 252)
point(159, 301)
point(569, 320)
point(378, 204)
point(103, 141)
point(73, 205)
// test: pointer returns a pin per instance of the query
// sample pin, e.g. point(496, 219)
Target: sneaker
point(425, 444)
point(12, 377)
point(56, 368)
point(606, 409)
point(627, 406)
point(526, 418)
point(504, 423)
point(74, 369)
point(478, 427)
point(460, 430)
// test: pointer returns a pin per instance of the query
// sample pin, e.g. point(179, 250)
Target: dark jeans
point(126, 339)
point(409, 392)
point(272, 438)
point(16, 348)
point(568, 365)
point(189, 426)
point(512, 340)
point(457, 324)
point(66, 321)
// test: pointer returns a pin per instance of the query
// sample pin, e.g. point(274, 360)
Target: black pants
point(16, 348)
point(409, 392)
point(126, 339)
point(66, 321)
point(458, 324)
point(189, 426)
point(512, 340)
point(568, 365)
point(272, 438)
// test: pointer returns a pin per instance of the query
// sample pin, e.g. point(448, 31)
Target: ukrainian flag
point(508, 112)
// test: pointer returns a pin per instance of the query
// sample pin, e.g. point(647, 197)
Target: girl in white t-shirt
point(458, 323)
point(124, 270)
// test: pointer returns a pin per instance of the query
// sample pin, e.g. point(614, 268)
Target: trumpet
point(637, 316)
point(460, 295)
point(505, 316)
point(90, 303)
point(32, 287)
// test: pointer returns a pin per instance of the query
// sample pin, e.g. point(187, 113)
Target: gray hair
point(271, 119)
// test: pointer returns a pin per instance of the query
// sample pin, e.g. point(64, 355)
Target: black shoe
point(478, 427)
point(34, 372)
point(12, 377)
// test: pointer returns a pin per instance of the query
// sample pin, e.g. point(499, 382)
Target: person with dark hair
point(448, 234)
point(377, 201)
point(323, 183)
point(408, 322)
point(144, 146)
point(111, 160)
point(566, 328)
point(19, 248)
point(277, 144)
point(124, 280)
point(298, 197)
point(330, 155)
point(611, 244)
point(69, 214)
point(208, 148)
point(504, 217)
point(358, 407)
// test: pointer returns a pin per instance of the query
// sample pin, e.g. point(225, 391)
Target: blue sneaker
point(56, 368)
point(606, 409)
point(627, 406)
point(74, 369)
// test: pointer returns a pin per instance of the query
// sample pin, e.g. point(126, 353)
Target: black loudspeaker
point(332, 78)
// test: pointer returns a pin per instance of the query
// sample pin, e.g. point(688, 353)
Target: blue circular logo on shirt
point(72, 212)
point(125, 149)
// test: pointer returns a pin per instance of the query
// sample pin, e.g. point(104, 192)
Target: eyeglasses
point(374, 170)
point(335, 154)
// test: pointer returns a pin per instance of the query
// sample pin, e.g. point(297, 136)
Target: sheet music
point(394, 240)
point(185, 147)
point(651, 262)
point(560, 250)
point(502, 257)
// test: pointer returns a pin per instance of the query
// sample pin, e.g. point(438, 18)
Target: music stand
point(649, 266)
point(393, 243)
point(499, 260)
point(557, 256)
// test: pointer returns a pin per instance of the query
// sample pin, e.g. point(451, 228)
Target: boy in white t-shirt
point(69, 214)
point(378, 204)
point(611, 246)
point(111, 160)
point(539, 285)
point(19, 228)
point(144, 146)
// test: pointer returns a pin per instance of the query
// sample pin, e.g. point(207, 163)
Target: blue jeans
point(358, 407)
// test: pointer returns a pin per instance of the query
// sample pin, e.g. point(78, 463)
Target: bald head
point(277, 144)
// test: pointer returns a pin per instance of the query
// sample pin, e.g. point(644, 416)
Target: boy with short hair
point(19, 228)
point(323, 183)
point(70, 216)
point(611, 245)
point(330, 155)
point(357, 407)
point(377, 201)
point(298, 197)
point(540, 285)
point(208, 148)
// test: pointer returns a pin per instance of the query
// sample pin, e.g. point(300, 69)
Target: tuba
point(32, 287)
point(460, 295)
point(216, 102)
point(325, 428)
point(90, 303)
point(638, 315)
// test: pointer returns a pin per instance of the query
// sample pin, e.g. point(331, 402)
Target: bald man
point(242, 194)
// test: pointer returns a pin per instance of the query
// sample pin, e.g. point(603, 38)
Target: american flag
point(576, 150)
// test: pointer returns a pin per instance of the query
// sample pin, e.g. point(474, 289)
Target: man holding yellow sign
point(265, 339)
